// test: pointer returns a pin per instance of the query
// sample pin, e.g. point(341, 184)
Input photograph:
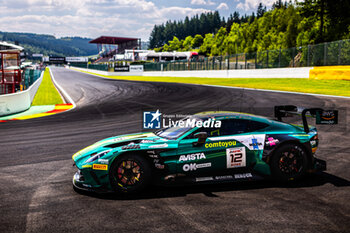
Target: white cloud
point(222, 6)
point(240, 6)
point(88, 18)
point(253, 4)
point(202, 2)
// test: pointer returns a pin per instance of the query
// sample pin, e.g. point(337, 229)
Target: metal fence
point(103, 67)
point(325, 54)
point(29, 77)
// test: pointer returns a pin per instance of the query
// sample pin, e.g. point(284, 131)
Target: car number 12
point(235, 157)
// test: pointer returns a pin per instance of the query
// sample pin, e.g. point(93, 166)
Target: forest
point(285, 25)
point(50, 45)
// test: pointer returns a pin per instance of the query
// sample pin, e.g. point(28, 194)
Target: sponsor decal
point(103, 167)
point(313, 143)
point(159, 146)
point(57, 59)
point(131, 146)
point(235, 157)
point(121, 69)
point(190, 157)
point(327, 117)
point(146, 141)
point(255, 144)
point(194, 166)
point(220, 144)
point(159, 166)
point(151, 120)
point(272, 141)
point(136, 68)
point(76, 59)
point(152, 154)
point(300, 135)
point(228, 177)
point(103, 161)
point(247, 140)
point(87, 166)
point(314, 150)
point(201, 179)
point(243, 176)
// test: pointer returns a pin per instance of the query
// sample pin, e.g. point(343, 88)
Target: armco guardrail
point(106, 73)
point(19, 101)
point(303, 72)
point(259, 73)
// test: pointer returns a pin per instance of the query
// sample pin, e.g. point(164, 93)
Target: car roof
point(220, 115)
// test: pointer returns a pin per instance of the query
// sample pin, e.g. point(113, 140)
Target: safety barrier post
point(325, 54)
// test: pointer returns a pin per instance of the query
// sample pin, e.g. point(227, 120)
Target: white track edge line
point(62, 91)
point(243, 88)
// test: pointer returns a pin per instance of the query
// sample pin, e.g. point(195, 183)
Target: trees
point(286, 25)
point(261, 10)
point(208, 42)
point(197, 41)
point(199, 24)
point(187, 43)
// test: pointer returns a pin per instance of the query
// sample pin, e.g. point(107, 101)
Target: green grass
point(47, 94)
point(326, 87)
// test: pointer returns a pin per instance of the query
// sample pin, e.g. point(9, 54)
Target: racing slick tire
point(289, 162)
point(130, 173)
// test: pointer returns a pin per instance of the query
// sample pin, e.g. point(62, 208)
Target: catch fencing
point(325, 54)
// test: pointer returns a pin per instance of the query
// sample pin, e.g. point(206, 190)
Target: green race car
point(207, 147)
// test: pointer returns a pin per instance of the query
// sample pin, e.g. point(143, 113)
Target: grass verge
point(325, 87)
point(47, 93)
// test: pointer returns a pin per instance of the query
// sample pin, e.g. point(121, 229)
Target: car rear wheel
point(289, 162)
point(130, 174)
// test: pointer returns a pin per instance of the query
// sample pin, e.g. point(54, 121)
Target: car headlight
point(97, 156)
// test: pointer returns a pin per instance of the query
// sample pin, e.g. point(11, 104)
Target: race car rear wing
point(329, 117)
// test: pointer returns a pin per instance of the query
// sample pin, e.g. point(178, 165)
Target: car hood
point(122, 142)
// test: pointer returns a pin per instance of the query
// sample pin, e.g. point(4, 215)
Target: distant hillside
point(49, 45)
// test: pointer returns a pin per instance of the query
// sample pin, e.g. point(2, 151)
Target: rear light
point(314, 143)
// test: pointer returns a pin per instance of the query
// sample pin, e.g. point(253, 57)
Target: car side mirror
point(202, 137)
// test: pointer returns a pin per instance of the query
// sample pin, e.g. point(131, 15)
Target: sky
point(93, 18)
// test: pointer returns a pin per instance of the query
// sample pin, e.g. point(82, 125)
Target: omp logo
point(190, 157)
point(220, 144)
point(194, 166)
point(151, 120)
point(103, 167)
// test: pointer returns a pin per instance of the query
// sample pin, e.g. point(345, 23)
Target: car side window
point(234, 126)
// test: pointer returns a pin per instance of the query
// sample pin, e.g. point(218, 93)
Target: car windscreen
point(176, 131)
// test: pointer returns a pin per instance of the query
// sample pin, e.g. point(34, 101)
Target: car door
point(223, 150)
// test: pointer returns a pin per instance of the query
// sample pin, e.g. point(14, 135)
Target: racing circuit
point(36, 167)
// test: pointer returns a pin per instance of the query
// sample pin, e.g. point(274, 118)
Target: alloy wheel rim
point(129, 173)
point(291, 162)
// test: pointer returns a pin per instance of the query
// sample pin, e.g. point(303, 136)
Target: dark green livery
point(244, 147)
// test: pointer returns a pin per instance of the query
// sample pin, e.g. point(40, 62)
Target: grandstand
point(109, 46)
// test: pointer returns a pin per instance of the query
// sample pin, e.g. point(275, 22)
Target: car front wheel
point(130, 173)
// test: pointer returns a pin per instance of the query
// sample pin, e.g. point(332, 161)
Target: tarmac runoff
point(37, 111)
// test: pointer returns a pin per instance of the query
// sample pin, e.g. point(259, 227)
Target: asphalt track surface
point(36, 192)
